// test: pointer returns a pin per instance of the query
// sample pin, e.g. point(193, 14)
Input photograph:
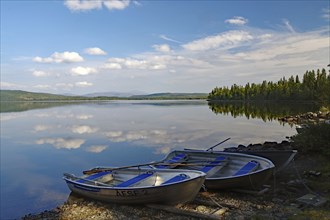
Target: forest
point(314, 86)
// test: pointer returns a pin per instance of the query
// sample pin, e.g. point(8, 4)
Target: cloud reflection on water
point(83, 129)
point(60, 143)
point(96, 148)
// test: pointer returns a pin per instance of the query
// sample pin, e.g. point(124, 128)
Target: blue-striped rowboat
point(224, 170)
point(137, 185)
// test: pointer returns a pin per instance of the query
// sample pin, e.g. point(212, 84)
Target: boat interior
point(214, 165)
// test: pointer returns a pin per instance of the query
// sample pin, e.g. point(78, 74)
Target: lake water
point(39, 144)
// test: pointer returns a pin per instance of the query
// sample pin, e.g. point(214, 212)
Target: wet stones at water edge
point(268, 145)
point(309, 117)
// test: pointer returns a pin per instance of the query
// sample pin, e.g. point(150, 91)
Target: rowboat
point(137, 185)
point(224, 170)
point(280, 158)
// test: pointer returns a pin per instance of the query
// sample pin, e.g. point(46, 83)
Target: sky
point(82, 47)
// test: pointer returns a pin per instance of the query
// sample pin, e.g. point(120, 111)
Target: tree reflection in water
point(267, 111)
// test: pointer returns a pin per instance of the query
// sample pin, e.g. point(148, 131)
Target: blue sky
point(82, 47)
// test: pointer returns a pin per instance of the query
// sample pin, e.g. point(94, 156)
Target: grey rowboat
point(224, 170)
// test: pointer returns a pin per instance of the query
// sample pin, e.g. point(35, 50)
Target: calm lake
point(41, 141)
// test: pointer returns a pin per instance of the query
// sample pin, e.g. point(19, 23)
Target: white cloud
point(237, 20)
point(40, 73)
point(154, 61)
point(83, 71)
point(288, 26)
point(83, 84)
point(83, 5)
point(86, 5)
point(96, 148)
point(112, 66)
point(162, 48)
point(65, 57)
point(83, 129)
point(132, 63)
point(265, 36)
point(227, 39)
point(116, 4)
point(136, 64)
point(158, 67)
point(95, 51)
point(42, 60)
point(283, 47)
point(59, 143)
point(168, 39)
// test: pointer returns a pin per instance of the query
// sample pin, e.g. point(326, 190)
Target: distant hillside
point(164, 96)
point(114, 94)
point(18, 95)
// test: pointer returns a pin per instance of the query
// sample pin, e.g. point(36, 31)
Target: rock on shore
point(309, 117)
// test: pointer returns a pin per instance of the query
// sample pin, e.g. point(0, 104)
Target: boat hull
point(250, 181)
point(280, 158)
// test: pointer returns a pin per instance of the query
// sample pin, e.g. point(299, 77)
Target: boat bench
point(176, 178)
point(213, 164)
point(247, 168)
point(176, 159)
point(135, 179)
point(94, 176)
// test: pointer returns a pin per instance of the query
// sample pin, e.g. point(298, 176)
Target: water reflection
point(39, 144)
point(267, 111)
point(58, 143)
point(25, 106)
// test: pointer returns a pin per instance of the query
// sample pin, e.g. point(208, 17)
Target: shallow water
point(39, 144)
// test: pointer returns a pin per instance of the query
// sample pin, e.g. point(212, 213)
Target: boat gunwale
point(199, 174)
point(269, 162)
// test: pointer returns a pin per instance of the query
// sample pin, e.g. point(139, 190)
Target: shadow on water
point(267, 111)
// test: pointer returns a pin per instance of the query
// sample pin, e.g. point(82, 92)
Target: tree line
point(314, 86)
